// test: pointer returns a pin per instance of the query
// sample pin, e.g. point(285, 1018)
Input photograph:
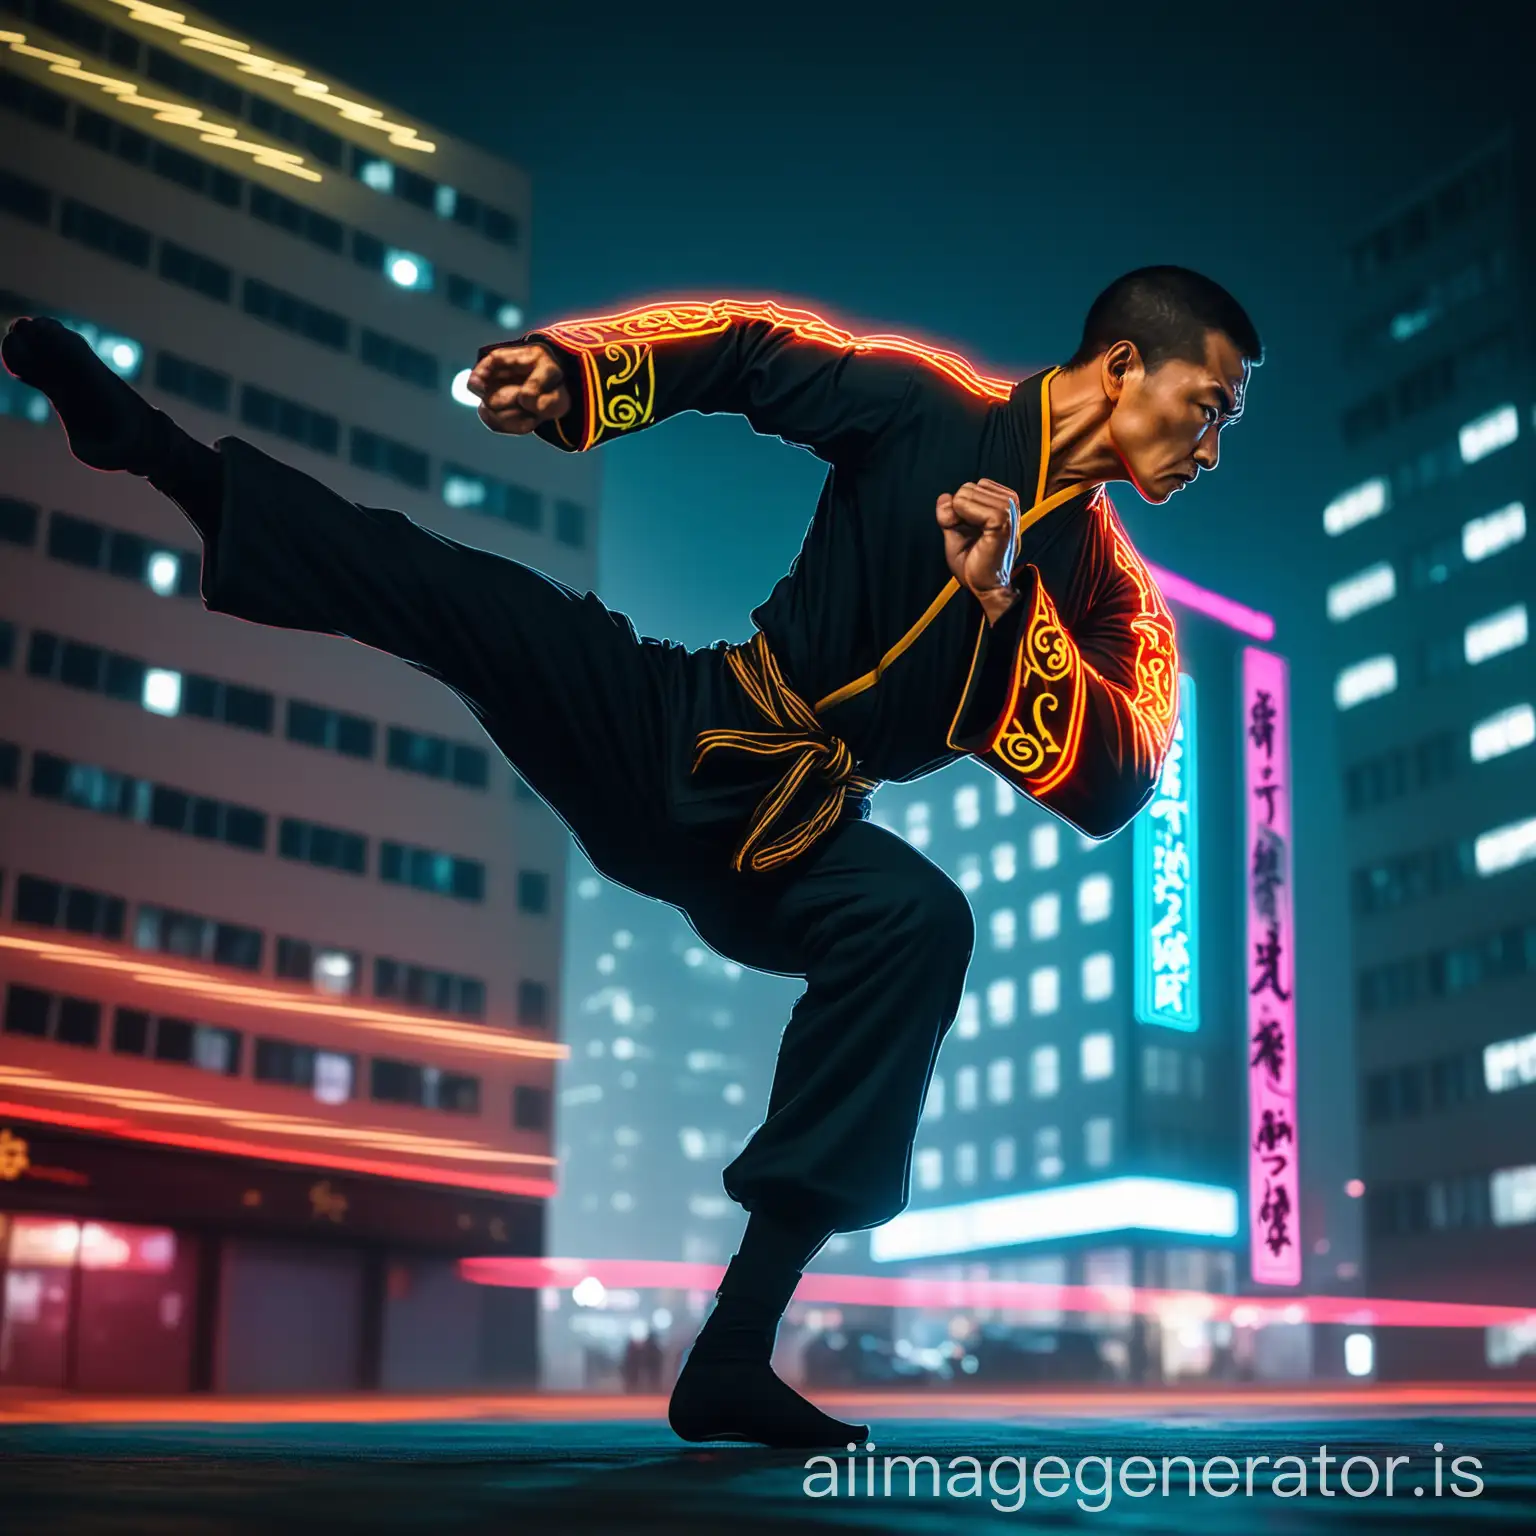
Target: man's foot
point(722, 1396)
point(107, 421)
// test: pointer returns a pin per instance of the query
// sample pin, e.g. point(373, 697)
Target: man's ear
point(1117, 362)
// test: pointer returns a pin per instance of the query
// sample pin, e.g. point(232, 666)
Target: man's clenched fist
point(980, 522)
point(519, 387)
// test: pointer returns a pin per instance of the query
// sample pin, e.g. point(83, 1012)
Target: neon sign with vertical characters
point(1274, 1185)
point(1167, 884)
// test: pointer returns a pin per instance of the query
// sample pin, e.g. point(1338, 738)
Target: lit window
point(1098, 1141)
point(1356, 506)
point(965, 1088)
point(1098, 977)
point(1044, 1071)
point(933, 1105)
point(1487, 434)
point(1004, 1157)
point(1000, 1080)
point(378, 174)
point(445, 200)
point(1045, 916)
point(1044, 990)
point(1369, 588)
point(1003, 798)
point(333, 1077)
point(1365, 680)
point(929, 1167)
point(1045, 846)
point(1359, 1354)
point(1494, 531)
point(1097, 1056)
point(1095, 896)
point(1507, 731)
point(509, 316)
point(1005, 928)
point(460, 391)
point(1505, 847)
point(968, 872)
point(1509, 1064)
point(968, 1020)
point(1506, 630)
point(1002, 1000)
point(162, 573)
point(408, 270)
point(1048, 1163)
point(965, 1163)
point(464, 491)
point(917, 824)
point(1513, 1196)
point(1005, 863)
point(967, 806)
point(162, 691)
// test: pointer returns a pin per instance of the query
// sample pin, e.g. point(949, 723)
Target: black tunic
point(1069, 696)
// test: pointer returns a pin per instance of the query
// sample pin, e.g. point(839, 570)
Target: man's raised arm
point(790, 373)
point(1080, 722)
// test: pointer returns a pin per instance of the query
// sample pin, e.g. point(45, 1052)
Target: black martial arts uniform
point(734, 781)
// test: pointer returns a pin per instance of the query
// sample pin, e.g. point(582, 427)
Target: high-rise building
point(1095, 1116)
point(672, 1051)
point(280, 933)
point(1428, 605)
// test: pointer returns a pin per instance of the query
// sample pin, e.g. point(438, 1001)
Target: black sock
point(190, 473)
point(110, 425)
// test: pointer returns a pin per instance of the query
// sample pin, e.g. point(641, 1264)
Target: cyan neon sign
point(1167, 884)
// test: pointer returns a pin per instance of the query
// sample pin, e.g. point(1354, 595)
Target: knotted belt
point(799, 737)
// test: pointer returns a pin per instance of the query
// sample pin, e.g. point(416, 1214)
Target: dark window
point(386, 457)
point(471, 767)
point(532, 1004)
point(1378, 1098)
point(173, 70)
point(367, 251)
point(294, 314)
point(26, 199)
point(406, 362)
point(237, 947)
point(571, 523)
point(7, 642)
point(354, 736)
point(532, 890)
point(284, 1061)
point(102, 232)
point(10, 764)
point(326, 847)
point(295, 219)
point(130, 1032)
point(417, 752)
point(26, 1010)
point(498, 226)
point(298, 423)
point(202, 386)
point(395, 1082)
point(79, 1022)
point(202, 274)
point(530, 1108)
point(32, 100)
point(19, 521)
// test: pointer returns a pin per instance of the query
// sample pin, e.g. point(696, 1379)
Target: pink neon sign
point(1274, 1186)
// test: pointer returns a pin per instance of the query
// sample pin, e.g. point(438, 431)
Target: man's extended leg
point(883, 939)
point(559, 682)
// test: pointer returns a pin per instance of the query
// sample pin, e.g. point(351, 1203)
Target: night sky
point(972, 175)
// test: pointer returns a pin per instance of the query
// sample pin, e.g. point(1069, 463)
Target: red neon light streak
point(893, 1291)
point(415, 1173)
point(476, 1038)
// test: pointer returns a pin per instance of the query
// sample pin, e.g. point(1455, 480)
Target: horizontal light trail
point(1022, 1295)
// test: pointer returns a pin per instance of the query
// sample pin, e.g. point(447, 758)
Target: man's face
point(1165, 425)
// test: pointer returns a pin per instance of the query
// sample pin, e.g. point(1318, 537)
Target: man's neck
point(1081, 448)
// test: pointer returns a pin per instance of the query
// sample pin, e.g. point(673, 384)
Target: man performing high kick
point(964, 588)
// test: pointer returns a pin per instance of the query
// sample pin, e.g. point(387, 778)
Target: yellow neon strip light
point(479, 1039)
point(220, 135)
point(297, 80)
point(145, 1101)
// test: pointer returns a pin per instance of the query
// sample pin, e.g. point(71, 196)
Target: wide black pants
point(602, 723)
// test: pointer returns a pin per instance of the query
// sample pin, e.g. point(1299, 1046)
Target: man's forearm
point(997, 602)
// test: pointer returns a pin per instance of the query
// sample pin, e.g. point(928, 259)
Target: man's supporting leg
point(883, 939)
